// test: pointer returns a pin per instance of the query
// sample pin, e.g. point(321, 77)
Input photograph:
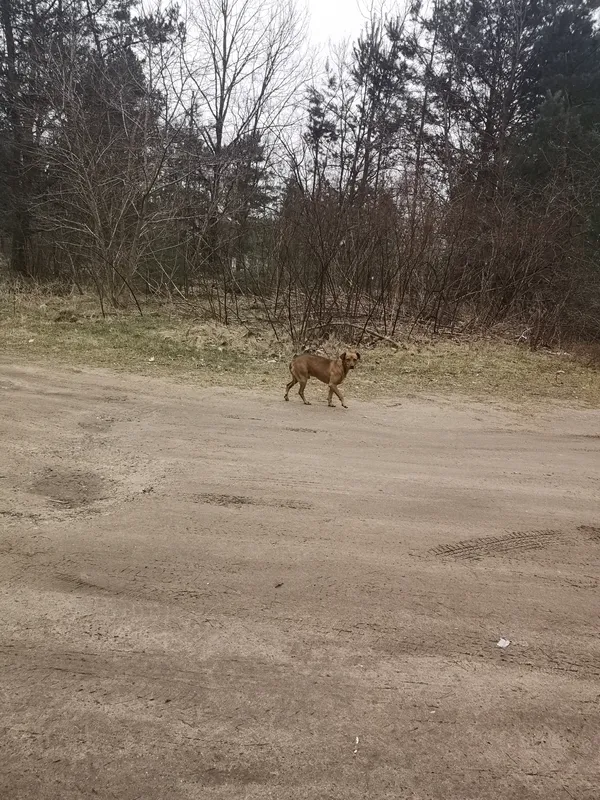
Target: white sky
point(335, 19)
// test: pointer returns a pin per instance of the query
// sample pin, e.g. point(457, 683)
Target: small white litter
point(151, 359)
point(503, 643)
point(355, 747)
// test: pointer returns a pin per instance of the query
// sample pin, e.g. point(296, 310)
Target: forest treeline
point(442, 169)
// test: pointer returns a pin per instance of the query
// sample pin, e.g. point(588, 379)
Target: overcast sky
point(335, 19)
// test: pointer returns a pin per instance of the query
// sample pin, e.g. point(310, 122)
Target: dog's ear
point(358, 355)
point(343, 356)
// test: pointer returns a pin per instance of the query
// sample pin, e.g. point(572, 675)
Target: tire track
point(497, 545)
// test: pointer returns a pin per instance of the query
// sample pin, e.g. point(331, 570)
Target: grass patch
point(40, 328)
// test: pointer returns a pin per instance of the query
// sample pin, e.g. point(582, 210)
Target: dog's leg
point(301, 392)
point(293, 382)
point(334, 389)
point(330, 398)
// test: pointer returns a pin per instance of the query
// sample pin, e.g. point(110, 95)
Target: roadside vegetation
point(176, 340)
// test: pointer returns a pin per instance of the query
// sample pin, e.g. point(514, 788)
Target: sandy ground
point(216, 594)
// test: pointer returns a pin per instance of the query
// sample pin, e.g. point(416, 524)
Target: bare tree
point(106, 153)
point(243, 67)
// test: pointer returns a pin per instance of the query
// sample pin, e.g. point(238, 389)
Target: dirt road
point(216, 594)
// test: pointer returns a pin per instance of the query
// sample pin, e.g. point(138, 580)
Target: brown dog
point(331, 371)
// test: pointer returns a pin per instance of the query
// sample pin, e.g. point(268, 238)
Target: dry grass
point(41, 327)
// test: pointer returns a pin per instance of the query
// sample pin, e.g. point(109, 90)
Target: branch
point(370, 331)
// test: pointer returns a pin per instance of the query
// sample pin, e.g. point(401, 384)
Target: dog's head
point(350, 358)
